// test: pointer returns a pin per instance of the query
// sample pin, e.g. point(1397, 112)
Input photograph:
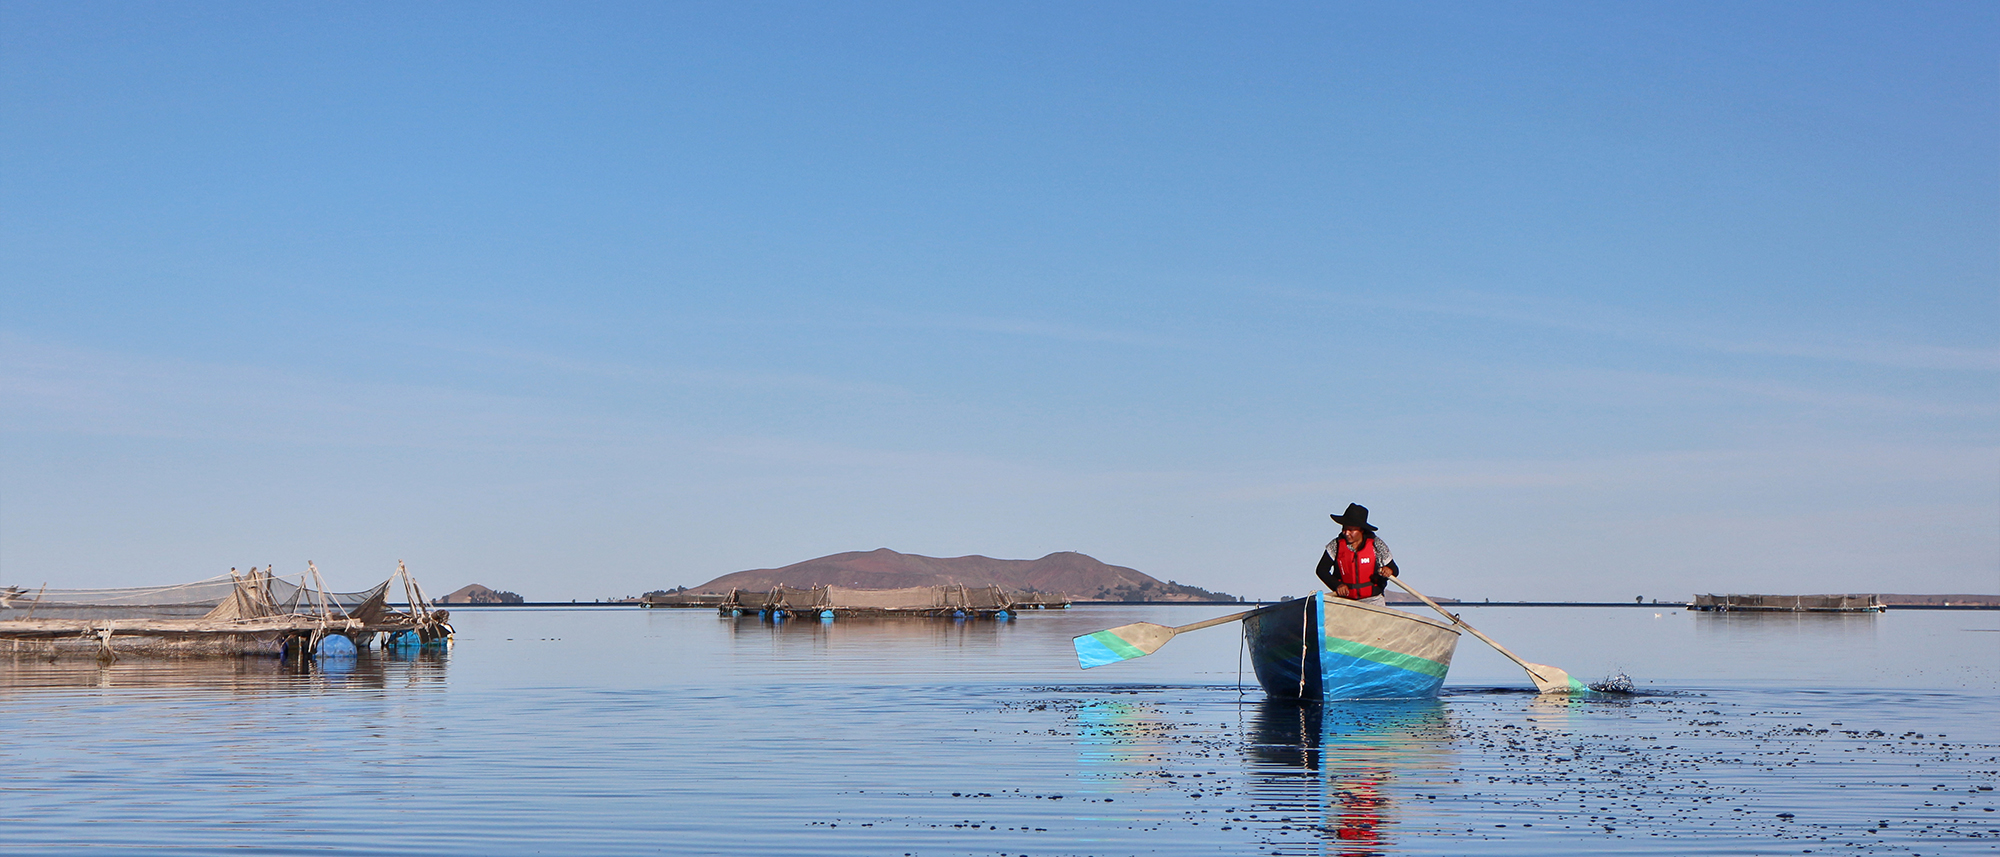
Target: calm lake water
point(624, 731)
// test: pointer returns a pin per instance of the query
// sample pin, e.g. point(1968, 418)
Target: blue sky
point(1591, 301)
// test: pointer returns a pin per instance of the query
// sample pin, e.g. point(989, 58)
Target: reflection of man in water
point(1356, 566)
point(1341, 762)
point(1360, 811)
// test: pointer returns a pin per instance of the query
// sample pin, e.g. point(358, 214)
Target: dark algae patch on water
point(1708, 767)
point(1175, 770)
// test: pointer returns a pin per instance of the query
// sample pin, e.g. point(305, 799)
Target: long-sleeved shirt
point(1383, 559)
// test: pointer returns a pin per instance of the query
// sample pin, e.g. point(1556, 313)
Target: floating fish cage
point(1788, 603)
point(683, 599)
point(830, 602)
point(252, 614)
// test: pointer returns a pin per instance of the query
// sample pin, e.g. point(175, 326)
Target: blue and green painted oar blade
point(1122, 643)
point(1138, 639)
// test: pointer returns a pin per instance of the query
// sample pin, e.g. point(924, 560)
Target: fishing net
point(226, 596)
point(1846, 603)
point(911, 598)
point(986, 598)
point(792, 598)
point(254, 613)
point(914, 599)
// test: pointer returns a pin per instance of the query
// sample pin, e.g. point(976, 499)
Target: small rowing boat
point(1322, 647)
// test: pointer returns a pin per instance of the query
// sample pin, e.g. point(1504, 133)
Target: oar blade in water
point(1549, 679)
point(1122, 643)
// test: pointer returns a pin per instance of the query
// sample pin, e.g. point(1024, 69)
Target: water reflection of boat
point(1332, 648)
point(1336, 762)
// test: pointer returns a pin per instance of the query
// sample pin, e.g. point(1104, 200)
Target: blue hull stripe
point(1348, 677)
point(1381, 674)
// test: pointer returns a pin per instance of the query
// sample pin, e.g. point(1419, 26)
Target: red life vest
point(1356, 568)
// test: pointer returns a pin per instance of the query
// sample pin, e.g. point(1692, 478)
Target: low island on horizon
point(1071, 574)
point(1065, 573)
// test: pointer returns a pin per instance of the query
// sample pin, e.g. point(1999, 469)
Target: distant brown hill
point(1067, 572)
point(477, 594)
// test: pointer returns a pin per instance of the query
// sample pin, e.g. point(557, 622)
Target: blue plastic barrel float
point(335, 646)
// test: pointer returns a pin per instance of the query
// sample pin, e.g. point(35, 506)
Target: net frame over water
point(229, 614)
point(945, 600)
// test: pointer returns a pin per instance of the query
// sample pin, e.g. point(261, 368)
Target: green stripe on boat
point(1384, 656)
point(1117, 645)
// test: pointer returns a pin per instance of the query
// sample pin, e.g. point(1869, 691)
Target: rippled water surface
point(624, 731)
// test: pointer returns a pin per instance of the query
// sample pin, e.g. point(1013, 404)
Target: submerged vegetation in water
point(1620, 683)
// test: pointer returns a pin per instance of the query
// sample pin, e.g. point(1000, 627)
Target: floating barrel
point(336, 646)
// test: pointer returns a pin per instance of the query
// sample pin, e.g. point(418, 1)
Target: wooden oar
point(1548, 679)
point(1136, 640)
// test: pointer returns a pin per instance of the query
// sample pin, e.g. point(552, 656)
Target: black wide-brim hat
point(1355, 516)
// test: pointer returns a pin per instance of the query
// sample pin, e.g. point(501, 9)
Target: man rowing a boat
point(1357, 566)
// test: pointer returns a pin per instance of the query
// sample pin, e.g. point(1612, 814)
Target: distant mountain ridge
point(1067, 572)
